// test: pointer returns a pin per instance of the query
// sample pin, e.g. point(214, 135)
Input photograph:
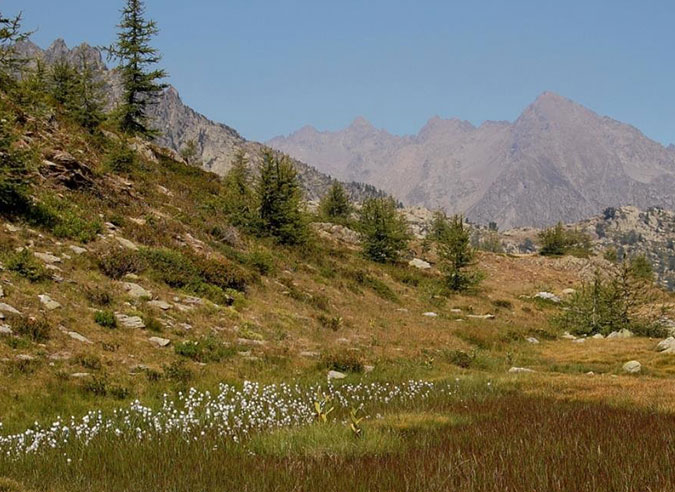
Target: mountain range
point(558, 161)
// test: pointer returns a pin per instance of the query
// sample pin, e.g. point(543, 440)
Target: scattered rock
point(456, 311)
point(163, 305)
point(418, 263)
point(335, 375)
point(65, 168)
point(336, 232)
point(481, 316)
point(48, 302)
point(25, 357)
point(623, 333)
point(598, 336)
point(517, 370)
point(136, 368)
point(2, 291)
point(78, 250)
point(159, 342)
point(193, 300)
point(590, 373)
point(309, 354)
point(531, 340)
point(80, 375)
point(126, 243)
point(80, 338)
point(579, 340)
point(568, 336)
point(5, 330)
point(632, 367)
point(12, 228)
point(368, 369)
point(136, 291)
point(9, 309)
point(248, 341)
point(47, 258)
point(666, 346)
point(548, 296)
point(568, 292)
point(129, 321)
point(430, 314)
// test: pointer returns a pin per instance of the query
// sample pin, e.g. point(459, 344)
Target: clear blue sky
point(270, 67)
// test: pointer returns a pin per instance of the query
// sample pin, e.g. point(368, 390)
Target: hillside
point(558, 161)
point(216, 143)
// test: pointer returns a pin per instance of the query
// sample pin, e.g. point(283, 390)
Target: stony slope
point(557, 161)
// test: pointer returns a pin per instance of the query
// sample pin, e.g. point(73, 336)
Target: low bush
point(116, 262)
point(36, 329)
point(346, 361)
point(205, 349)
point(119, 158)
point(106, 319)
point(25, 264)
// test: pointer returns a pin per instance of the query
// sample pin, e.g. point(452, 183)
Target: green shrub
point(106, 319)
point(116, 262)
point(153, 324)
point(330, 322)
point(71, 226)
point(262, 261)
point(119, 158)
point(97, 295)
point(169, 266)
point(558, 241)
point(25, 264)
point(205, 349)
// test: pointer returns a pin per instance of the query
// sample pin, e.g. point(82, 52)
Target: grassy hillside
point(124, 284)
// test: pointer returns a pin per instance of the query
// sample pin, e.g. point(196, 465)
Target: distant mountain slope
point(557, 161)
point(217, 143)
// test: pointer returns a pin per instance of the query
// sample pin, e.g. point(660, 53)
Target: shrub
point(221, 273)
point(343, 362)
point(36, 329)
point(558, 241)
point(331, 322)
point(106, 319)
point(119, 158)
point(177, 371)
point(25, 264)
point(153, 324)
point(97, 295)
point(171, 267)
point(262, 261)
point(14, 199)
point(460, 358)
point(205, 349)
point(641, 268)
point(70, 225)
point(611, 302)
point(89, 361)
point(117, 262)
point(385, 232)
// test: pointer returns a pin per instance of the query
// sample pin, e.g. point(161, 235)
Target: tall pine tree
point(136, 56)
point(11, 62)
point(335, 205)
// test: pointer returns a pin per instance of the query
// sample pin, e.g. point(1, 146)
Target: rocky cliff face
point(557, 161)
point(177, 123)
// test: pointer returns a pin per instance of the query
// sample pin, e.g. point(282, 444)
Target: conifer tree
point(280, 201)
point(62, 81)
point(453, 242)
point(335, 205)
point(385, 231)
point(137, 56)
point(239, 199)
point(88, 96)
point(11, 62)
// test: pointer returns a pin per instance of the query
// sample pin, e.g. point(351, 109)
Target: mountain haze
point(557, 161)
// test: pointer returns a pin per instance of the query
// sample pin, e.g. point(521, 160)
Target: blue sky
point(270, 67)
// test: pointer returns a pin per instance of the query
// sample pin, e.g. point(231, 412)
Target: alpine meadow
point(481, 306)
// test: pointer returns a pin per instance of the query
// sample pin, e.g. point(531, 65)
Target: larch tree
point(137, 59)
